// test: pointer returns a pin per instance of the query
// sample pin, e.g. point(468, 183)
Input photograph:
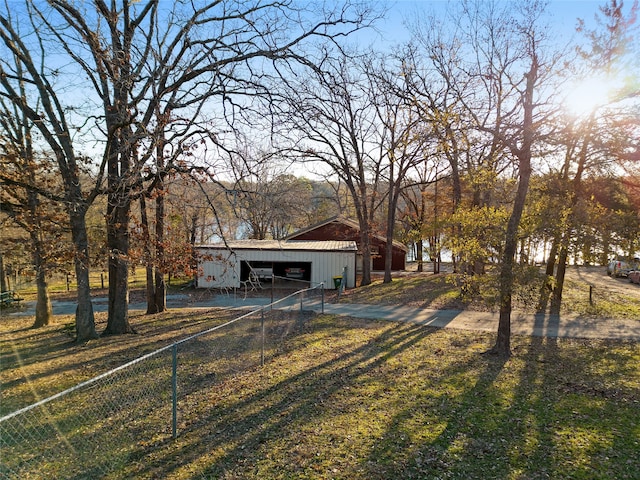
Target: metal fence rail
point(97, 427)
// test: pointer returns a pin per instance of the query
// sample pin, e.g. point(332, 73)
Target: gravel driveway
point(598, 278)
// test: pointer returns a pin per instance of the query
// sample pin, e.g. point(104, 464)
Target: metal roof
point(308, 245)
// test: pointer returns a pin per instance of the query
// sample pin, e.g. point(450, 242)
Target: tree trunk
point(503, 341)
point(556, 299)
point(551, 259)
point(120, 153)
point(150, 291)
point(456, 184)
point(523, 154)
point(434, 241)
point(146, 241)
point(365, 241)
point(43, 304)
point(388, 260)
point(118, 238)
point(160, 291)
point(391, 220)
point(160, 286)
point(419, 254)
point(85, 320)
point(365, 235)
point(44, 310)
point(3, 277)
point(366, 260)
point(194, 254)
point(547, 286)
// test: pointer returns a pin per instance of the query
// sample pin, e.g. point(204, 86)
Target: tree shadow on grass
point(493, 429)
point(544, 414)
point(531, 449)
point(437, 445)
point(379, 407)
point(51, 360)
point(240, 430)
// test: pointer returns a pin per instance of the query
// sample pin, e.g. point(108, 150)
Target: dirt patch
point(597, 277)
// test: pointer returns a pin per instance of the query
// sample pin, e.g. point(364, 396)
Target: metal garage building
point(314, 262)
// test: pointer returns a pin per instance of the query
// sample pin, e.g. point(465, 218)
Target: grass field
point(587, 292)
point(355, 399)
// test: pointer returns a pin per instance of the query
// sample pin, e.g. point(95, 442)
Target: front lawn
point(357, 399)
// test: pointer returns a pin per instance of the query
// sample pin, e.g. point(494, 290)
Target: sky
point(563, 16)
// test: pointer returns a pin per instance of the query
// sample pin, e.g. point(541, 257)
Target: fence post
point(322, 298)
point(174, 391)
point(262, 337)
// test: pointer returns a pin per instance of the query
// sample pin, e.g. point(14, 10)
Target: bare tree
point(491, 88)
point(438, 84)
point(461, 78)
point(523, 126)
point(401, 143)
point(270, 202)
point(25, 64)
point(24, 176)
point(145, 64)
point(426, 199)
point(337, 125)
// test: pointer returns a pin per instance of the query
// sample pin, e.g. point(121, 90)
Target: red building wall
point(341, 231)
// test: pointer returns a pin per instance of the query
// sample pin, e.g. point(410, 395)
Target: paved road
point(521, 324)
point(100, 304)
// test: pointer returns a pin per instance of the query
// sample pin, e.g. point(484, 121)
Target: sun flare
point(586, 96)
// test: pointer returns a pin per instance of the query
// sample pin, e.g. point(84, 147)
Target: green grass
point(98, 282)
point(368, 400)
point(350, 398)
point(356, 399)
point(605, 303)
point(480, 293)
point(429, 291)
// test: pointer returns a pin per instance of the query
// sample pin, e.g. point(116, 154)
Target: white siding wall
point(224, 269)
point(327, 265)
point(221, 271)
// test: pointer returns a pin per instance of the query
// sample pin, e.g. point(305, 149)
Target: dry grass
point(39, 363)
point(352, 399)
point(611, 298)
point(355, 399)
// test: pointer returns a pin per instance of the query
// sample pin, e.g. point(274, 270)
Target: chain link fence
point(97, 428)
